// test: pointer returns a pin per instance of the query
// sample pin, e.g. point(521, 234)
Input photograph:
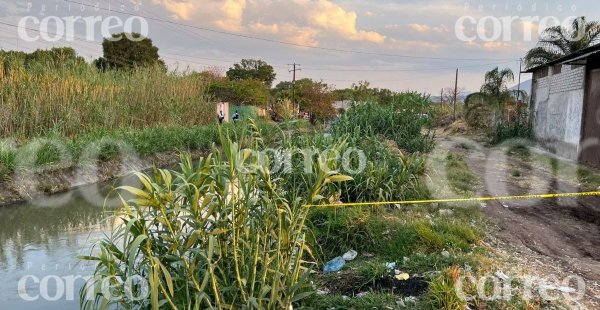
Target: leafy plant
point(401, 121)
point(220, 234)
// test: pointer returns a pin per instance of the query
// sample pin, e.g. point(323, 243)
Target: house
point(565, 104)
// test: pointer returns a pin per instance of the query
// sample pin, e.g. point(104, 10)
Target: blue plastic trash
point(334, 265)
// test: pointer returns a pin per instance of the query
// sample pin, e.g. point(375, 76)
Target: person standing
point(236, 117)
point(221, 117)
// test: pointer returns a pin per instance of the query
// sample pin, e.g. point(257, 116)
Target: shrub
point(401, 121)
point(503, 131)
point(217, 235)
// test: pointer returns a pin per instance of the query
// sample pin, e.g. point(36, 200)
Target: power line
point(78, 38)
point(283, 42)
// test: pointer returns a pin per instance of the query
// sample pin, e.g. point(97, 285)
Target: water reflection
point(45, 241)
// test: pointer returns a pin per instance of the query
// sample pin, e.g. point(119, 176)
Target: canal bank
point(20, 188)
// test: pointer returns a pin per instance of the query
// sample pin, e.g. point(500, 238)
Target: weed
point(442, 292)
point(460, 177)
point(219, 234)
point(503, 131)
point(74, 99)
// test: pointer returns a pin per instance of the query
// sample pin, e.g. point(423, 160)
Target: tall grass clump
point(76, 98)
point(504, 130)
point(403, 121)
point(217, 235)
point(385, 176)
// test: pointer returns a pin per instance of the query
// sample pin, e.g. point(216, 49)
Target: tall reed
point(76, 98)
point(217, 235)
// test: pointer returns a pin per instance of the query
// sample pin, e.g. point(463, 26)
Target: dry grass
point(75, 99)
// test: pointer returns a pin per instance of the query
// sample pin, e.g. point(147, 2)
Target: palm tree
point(492, 98)
point(557, 41)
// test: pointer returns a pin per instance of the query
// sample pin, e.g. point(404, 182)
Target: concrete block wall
point(558, 109)
point(571, 78)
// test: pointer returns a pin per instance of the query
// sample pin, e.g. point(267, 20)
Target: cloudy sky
point(401, 45)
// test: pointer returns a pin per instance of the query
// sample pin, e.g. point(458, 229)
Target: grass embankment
point(429, 242)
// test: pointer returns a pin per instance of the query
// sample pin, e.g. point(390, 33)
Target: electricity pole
point(519, 86)
point(455, 93)
point(296, 67)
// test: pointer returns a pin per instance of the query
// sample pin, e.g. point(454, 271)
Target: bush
point(503, 131)
point(217, 235)
point(401, 121)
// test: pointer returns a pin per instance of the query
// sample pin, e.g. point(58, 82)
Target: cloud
point(180, 10)
point(233, 11)
point(422, 28)
point(496, 45)
point(298, 21)
point(225, 14)
point(331, 16)
point(412, 45)
point(291, 32)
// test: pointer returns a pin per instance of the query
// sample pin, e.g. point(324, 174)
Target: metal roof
point(571, 58)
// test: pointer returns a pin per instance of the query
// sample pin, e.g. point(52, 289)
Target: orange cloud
point(226, 14)
point(330, 16)
point(293, 33)
point(233, 11)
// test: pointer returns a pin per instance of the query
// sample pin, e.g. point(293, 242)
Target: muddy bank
point(21, 187)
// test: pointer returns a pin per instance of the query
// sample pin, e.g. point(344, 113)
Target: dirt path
point(554, 237)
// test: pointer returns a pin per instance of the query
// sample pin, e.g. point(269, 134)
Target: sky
point(400, 45)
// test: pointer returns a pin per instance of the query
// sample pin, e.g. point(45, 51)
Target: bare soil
point(552, 237)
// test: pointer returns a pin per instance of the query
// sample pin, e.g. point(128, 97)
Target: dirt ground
point(550, 237)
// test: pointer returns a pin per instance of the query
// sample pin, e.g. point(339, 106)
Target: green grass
point(404, 121)
point(218, 234)
point(106, 145)
point(461, 179)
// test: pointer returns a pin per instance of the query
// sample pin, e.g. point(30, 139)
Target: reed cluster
point(76, 98)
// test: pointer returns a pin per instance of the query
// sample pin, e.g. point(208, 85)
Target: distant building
point(342, 104)
point(565, 103)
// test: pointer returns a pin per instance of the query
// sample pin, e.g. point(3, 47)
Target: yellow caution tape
point(412, 202)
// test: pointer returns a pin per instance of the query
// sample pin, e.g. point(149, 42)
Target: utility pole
point(296, 67)
point(455, 93)
point(519, 86)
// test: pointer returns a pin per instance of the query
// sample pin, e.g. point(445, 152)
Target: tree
point(557, 41)
point(55, 57)
point(121, 52)
point(448, 94)
point(316, 97)
point(251, 69)
point(252, 92)
point(492, 98)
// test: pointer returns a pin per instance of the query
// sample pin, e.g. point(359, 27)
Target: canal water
point(39, 245)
